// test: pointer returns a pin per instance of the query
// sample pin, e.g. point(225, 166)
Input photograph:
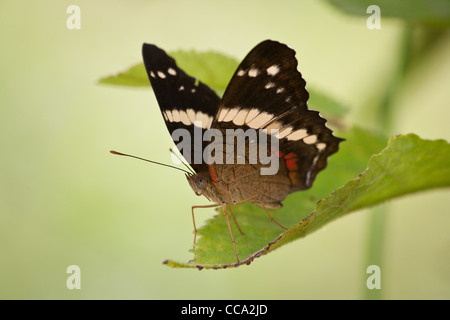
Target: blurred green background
point(65, 200)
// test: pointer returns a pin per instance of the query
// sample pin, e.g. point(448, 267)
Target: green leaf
point(326, 104)
point(135, 76)
point(430, 12)
point(211, 68)
point(408, 164)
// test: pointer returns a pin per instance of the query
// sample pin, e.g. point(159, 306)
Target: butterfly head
point(201, 184)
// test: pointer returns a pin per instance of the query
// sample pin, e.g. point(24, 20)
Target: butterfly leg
point(229, 229)
point(193, 218)
point(271, 218)
point(235, 221)
point(265, 209)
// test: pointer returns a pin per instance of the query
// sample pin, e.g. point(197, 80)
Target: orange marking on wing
point(294, 177)
point(291, 164)
point(213, 174)
point(290, 155)
point(291, 161)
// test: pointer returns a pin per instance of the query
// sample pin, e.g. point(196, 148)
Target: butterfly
point(266, 94)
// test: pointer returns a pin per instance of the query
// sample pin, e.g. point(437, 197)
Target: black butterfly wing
point(268, 92)
point(185, 102)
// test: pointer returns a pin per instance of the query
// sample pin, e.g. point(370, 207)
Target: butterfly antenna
point(176, 155)
point(161, 164)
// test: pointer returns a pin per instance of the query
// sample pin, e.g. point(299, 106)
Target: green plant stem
point(378, 216)
point(375, 246)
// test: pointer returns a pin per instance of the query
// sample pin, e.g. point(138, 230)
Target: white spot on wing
point(204, 118)
point(297, 135)
point(189, 117)
point(181, 88)
point(308, 177)
point(269, 85)
point(176, 115)
point(315, 160)
point(161, 74)
point(260, 120)
point(311, 139)
point(169, 115)
point(171, 72)
point(239, 119)
point(240, 73)
point(184, 118)
point(280, 90)
point(152, 74)
point(251, 115)
point(273, 70)
point(321, 146)
point(308, 174)
point(231, 114)
point(253, 72)
point(276, 125)
point(283, 133)
point(191, 114)
point(222, 114)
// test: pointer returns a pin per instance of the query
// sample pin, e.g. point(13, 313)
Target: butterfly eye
point(200, 182)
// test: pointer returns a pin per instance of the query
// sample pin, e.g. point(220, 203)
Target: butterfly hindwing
point(184, 101)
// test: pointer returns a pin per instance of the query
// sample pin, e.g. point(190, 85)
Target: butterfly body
point(266, 100)
point(238, 183)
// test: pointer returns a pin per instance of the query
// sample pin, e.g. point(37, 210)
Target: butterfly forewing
point(263, 81)
point(185, 102)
